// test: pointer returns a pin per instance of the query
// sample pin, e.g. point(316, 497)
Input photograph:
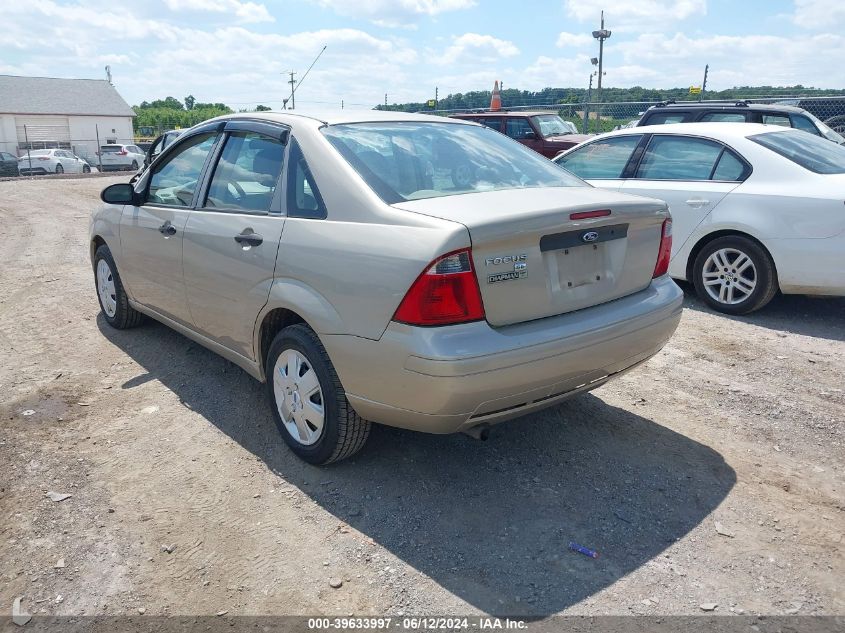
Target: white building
point(45, 112)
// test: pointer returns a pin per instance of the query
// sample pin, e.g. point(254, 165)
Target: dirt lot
point(165, 446)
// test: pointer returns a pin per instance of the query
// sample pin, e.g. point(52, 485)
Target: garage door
point(40, 129)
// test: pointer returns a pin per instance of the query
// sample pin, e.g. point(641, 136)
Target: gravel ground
point(713, 474)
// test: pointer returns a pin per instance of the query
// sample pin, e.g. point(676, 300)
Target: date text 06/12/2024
point(416, 623)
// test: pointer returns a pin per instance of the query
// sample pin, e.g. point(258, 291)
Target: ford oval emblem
point(590, 236)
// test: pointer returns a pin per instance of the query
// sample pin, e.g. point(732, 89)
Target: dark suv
point(544, 132)
point(740, 112)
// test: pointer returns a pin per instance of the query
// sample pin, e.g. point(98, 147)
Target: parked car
point(738, 112)
point(755, 208)
point(544, 132)
point(121, 157)
point(8, 164)
point(52, 161)
point(389, 297)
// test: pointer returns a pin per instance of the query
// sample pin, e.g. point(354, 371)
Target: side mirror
point(530, 134)
point(120, 193)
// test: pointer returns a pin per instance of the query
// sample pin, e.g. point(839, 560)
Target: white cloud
point(246, 12)
point(477, 49)
point(574, 39)
point(394, 13)
point(819, 14)
point(627, 15)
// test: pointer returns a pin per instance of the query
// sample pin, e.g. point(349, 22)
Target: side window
point(666, 117)
point(247, 173)
point(601, 159)
point(730, 168)
point(678, 158)
point(519, 129)
point(776, 119)
point(303, 197)
point(724, 117)
point(174, 181)
point(494, 123)
point(803, 123)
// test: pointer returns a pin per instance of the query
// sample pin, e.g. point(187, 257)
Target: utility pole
point(704, 83)
point(587, 104)
point(435, 97)
point(601, 35)
point(292, 97)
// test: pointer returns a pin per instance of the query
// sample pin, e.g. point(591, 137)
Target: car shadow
point(489, 521)
point(822, 317)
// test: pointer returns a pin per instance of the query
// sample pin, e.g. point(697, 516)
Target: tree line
point(170, 112)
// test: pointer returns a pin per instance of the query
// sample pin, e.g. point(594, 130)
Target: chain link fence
point(595, 118)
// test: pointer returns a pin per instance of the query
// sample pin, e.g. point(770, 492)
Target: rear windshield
point(410, 161)
point(111, 149)
point(811, 152)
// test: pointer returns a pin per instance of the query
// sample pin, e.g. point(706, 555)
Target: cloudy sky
point(237, 51)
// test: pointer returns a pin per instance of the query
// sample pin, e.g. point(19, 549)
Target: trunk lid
point(533, 261)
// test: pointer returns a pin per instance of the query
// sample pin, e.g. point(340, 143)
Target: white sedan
point(755, 208)
point(52, 161)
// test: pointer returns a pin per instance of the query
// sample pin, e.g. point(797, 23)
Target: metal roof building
point(75, 114)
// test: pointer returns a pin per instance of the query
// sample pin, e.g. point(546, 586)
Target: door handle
point(167, 229)
point(249, 239)
point(697, 202)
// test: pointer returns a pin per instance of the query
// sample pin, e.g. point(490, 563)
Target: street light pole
point(601, 35)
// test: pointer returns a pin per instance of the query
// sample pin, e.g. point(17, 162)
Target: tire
point(60, 169)
point(117, 311)
point(86, 169)
point(342, 432)
point(134, 166)
point(734, 275)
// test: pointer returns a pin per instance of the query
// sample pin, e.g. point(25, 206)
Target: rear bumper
point(810, 266)
point(443, 380)
point(35, 171)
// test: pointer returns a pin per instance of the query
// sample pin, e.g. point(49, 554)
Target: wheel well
point(274, 322)
point(96, 243)
point(704, 241)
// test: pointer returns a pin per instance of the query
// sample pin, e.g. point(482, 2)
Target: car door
point(232, 238)
point(692, 174)
point(602, 162)
point(151, 234)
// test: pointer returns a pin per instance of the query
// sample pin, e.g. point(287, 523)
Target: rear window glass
point(666, 117)
point(111, 149)
point(810, 152)
point(415, 160)
point(724, 117)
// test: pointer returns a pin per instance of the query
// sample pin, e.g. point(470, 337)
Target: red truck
point(544, 132)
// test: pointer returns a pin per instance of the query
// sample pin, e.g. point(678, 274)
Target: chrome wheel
point(299, 397)
point(729, 276)
point(106, 289)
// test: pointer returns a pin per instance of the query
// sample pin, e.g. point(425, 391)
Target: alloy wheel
point(299, 397)
point(106, 288)
point(729, 276)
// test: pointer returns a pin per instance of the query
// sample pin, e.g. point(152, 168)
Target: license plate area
point(585, 257)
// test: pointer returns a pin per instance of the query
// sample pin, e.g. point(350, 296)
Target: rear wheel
point(308, 402)
point(134, 165)
point(734, 275)
point(60, 169)
point(110, 293)
point(86, 169)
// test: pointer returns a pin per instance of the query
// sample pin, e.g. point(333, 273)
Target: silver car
point(409, 270)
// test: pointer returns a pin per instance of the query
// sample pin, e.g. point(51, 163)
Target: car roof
point(711, 130)
point(526, 113)
point(723, 105)
point(339, 117)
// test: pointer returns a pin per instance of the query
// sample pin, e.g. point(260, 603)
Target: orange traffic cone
point(496, 98)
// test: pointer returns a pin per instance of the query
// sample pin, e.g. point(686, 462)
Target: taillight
point(445, 293)
point(665, 252)
point(122, 152)
point(43, 158)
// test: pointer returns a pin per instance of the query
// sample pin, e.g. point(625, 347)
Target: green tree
point(262, 108)
point(189, 102)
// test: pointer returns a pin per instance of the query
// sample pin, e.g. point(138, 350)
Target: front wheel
point(308, 402)
point(110, 292)
point(60, 169)
point(734, 275)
